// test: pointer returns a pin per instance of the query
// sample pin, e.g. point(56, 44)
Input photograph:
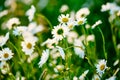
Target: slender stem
point(105, 54)
point(51, 27)
point(12, 76)
point(89, 61)
point(116, 71)
point(114, 41)
point(42, 76)
point(15, 48)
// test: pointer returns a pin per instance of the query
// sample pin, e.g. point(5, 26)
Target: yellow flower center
point(70, 26)
point(65, 20)
point(102, 67)
point(29, 45)
point(6, 55)
point(96, 79)
point(80, 22)
point(82, 15)
point(4, 66)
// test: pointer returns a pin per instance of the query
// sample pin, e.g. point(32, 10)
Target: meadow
point(59, 40)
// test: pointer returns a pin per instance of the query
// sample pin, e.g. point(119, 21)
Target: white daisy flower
point(72, 36)
point(75, 78)
point(28, 35)
point(44, 57)
point(82, 77)
point(60, 31)
point(50, 43)
point(4, 67)
point(101, 66)
point(71, 24)
point(108, 6)
point(64, 18)
point(3, 13)
point(105, 7)
point(96, 77)
point(12, 22)
point(81, 21)
point(3, 39)
point(96, 24)
point(54, 53)
point(79, 48)
point(19, 30)
point(111, 78)
point(83, 12)
point(91, 38)
point(30, 13)
point(116, 62)
point(64, 8)
point(6, 54)
point(61, 52)
point(34, 28)
point(59, 68)
point(28, 45)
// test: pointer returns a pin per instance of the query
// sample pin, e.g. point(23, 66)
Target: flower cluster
point(31, 48)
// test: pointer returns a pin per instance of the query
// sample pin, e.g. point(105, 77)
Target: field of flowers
point(60, 40)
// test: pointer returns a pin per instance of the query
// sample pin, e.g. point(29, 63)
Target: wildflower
point(64, 18)
point(64, 8)
point(79, 48)
point(3, 39)
point(96, 77)
point(8, 3)
point(28, 35)
point(44, 57)
point(4, 67)
point(101, 66)
point(19, 30)
point(32, 57)
point(12, 22)
point(105, 7)
point(5, 54)
point(28, 45)
point(60, 31)
point(50, 43)
point(82, 77)
point(72, 36)
point(71, 24)
point(61, 52)
point(75, 78)
point(30, 13)
point(82, 13)
point(112, 7)
point(118, 46)
point(118, 13)
point(81, 21)
point(111, 78)
point(96, 24)
point(54, 53)
point(91, 38)
point(116, 62)
point(3, 13)
point(58, 68)
point(34, 28)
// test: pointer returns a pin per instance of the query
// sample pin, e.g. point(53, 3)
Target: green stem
point(105, 54)
point(51, 27)
point(15, 49)
point(89, 61)
point(114, 41)
point(12, 76)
